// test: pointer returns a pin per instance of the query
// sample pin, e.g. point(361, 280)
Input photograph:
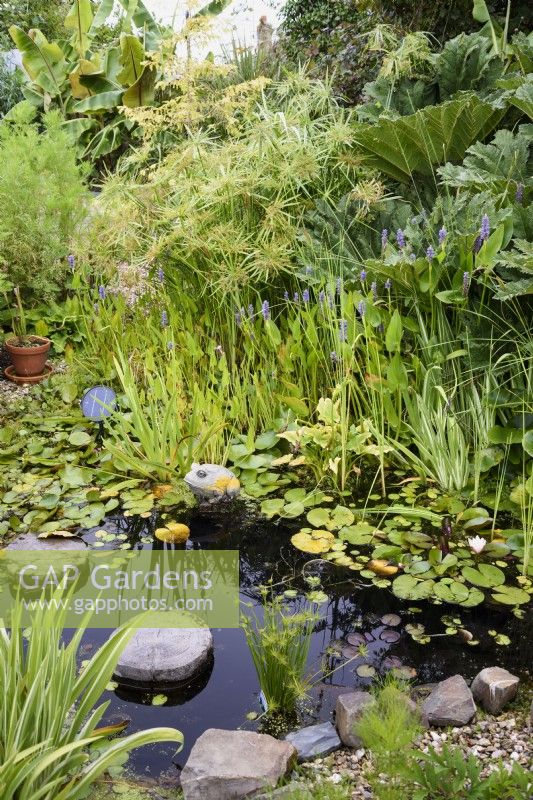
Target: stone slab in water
point(314, 741)
point(230, 765)
point(156, 656)
point(494, 687)
point(450, 703)
point(30, 541)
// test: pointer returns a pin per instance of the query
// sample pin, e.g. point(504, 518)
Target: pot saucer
point(9, 372)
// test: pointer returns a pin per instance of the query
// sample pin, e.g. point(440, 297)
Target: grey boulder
point(348, 711)
point(494, 687)
point(314, 741)
point(157, 656)
point(450, 703)
point(230, 765)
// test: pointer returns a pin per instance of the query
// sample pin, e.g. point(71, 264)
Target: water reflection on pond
point(227, 690)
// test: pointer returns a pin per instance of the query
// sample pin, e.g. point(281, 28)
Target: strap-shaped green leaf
point(141, 93)
point(42, 60)
point(131, 58)
point(79, 20)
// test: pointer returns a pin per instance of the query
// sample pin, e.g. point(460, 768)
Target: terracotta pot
point(29, 361)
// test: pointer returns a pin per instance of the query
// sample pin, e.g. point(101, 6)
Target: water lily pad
point(391, 662)
point(486, 575)
point(366, 671)
point(404, 673)
point(159, 699)
point(407, 587)
point(316, 542)
point(355, 639)
point(393, 620)
point(348, 651)
point(390, 636)
point(511, 595)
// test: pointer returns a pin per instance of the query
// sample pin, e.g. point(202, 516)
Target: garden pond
point(364, 631)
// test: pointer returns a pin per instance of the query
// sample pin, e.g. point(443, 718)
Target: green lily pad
point(511, 595)
point(486, 575)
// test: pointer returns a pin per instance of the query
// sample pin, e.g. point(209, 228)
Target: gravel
point(507, 737)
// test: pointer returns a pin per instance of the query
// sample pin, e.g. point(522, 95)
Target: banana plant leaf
point(43, 61)
point(99, 102)
point(141, 93)
point(213, 8)
point(79, 20)
point(131, 58)
point(103, 12)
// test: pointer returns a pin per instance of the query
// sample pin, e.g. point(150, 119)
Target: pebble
point(505, 738)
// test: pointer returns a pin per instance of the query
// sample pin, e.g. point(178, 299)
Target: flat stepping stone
point(30, 541)
point(155, 656)
point(229, 765)
point(314, 741)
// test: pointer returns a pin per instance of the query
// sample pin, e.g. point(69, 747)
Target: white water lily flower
point(477, 544)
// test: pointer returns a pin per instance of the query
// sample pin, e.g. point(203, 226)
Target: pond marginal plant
point(279, 644)
point(49, 717)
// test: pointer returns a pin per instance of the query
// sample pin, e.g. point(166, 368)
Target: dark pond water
point(228, 691)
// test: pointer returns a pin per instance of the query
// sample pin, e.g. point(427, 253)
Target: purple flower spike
point(466, 283)
point(238, 316)
point(170, 345)
point(374, 290)
point(296, 297)
point(384, 238)
point(412, 257)
point(71, 262)
point(485, 228)
point(331, 302)
point(160, 275)
point(334, 357)
point(265, 310)
point(285, 295)
point(430, 252)
point(343, 330)
point(443, 233)
point(362, 275)
point(338, 285)
point(477, 245)
point(388, 285)
point(101, 292)
point(400, 238)
point(309, 270)
point(96, 308)
point(361, 308)
point(519, 194)
point(251, 312)
point(164, 319)
point(305, 295)
point(321, 298)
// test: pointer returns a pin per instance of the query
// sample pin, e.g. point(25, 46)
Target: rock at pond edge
point(494, 687)
point(228, 765)
point(348, 711)
point(314, 741)
point(450, 703)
